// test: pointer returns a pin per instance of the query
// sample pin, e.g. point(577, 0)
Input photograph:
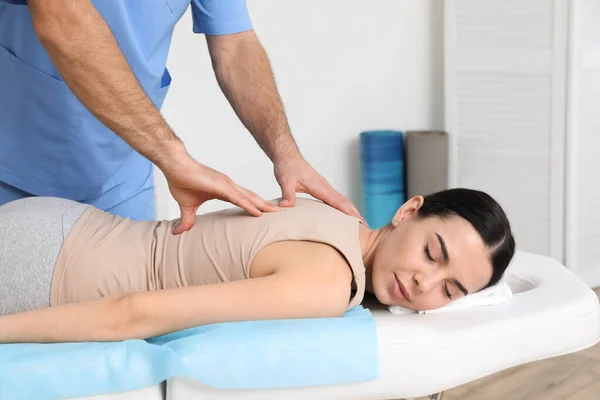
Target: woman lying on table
point(71, 272)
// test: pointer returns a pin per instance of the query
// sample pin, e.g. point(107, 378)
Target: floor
point(571, 377)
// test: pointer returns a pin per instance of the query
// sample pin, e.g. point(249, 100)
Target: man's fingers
point(185, 223)
point(288, 194)
point(230, 193)
point(327, 194)
point(335, 199)
point(258, 201)
point(351, 210)
point(242, 201)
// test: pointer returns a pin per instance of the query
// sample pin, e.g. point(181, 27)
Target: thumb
point(185, 223)
point(288, 191)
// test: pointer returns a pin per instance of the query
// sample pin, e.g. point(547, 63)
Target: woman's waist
point(106, 254)
point(167, 261)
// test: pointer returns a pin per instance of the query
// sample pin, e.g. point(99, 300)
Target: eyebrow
point(459, 285)
point(443, 246)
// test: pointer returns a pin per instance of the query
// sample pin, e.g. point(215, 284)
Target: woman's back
point(106, 254)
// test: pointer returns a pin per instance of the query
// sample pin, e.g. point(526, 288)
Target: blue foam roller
point(382, 175)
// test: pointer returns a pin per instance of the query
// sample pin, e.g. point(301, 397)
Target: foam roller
point(382, 175)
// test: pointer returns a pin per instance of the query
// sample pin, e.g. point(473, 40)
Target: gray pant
point(32, 231)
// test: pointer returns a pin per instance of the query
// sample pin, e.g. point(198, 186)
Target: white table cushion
point(155, 392)
point(552, 313)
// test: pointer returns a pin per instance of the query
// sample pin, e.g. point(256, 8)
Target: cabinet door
point(505, 100)
point(583, 143)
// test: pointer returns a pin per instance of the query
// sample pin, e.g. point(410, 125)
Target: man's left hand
point(296, 175)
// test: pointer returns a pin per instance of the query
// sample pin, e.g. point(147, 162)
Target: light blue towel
point(238, 355)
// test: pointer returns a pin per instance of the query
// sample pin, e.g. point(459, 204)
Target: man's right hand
point(192, 184)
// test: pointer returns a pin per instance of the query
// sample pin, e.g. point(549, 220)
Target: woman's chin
point(382, 297)
point(387, 299)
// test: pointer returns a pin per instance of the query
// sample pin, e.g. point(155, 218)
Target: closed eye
point(448, 295)
point(427, 253)
point(430, 258)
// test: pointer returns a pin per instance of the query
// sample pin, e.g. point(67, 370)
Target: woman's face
point(425, 263)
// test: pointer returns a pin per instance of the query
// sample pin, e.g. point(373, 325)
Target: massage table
point(551, 313)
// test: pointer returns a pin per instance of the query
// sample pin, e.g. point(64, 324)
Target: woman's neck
point(369, 242)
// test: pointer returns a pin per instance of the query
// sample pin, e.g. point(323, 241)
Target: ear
point(408, 209)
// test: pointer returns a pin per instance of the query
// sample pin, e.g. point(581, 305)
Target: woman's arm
point(305, 294)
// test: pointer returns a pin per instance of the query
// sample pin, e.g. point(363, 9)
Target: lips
point(402, 288)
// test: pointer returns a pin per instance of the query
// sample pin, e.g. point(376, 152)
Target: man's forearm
point(245, 77)
point(87, 56)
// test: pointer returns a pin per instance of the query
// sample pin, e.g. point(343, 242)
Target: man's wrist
point(285, 151)
point(282, 147)
point(170, 153)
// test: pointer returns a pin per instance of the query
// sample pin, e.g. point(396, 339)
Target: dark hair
point(484, 214)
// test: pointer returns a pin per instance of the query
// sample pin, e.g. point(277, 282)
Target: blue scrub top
point(50, 144)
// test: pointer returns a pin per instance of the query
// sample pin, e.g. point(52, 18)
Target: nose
point(425, 281)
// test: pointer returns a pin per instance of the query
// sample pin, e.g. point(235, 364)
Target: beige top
point(106, 254)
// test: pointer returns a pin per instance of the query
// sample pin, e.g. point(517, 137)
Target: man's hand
point(296, 175)
point(245, 77)
point(192, 184)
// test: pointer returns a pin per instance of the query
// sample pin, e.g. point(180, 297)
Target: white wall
point(341, 68)
point(583, 142)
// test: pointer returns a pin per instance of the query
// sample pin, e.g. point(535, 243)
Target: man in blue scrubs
point(81, 86)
